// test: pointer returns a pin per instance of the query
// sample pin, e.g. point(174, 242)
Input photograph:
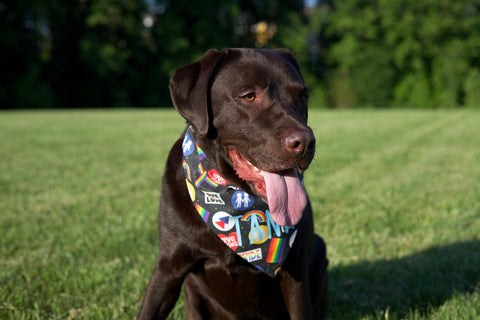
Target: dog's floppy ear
point(286, 54)
point(290, 58)
point(189, 88)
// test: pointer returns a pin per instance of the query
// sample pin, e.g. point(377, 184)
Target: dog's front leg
point(162, 292)
point(296, 297)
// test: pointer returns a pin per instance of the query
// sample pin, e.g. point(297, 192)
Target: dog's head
point(254, 104)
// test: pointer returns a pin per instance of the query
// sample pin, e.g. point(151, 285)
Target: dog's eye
point(249, 97)
point(304, 97)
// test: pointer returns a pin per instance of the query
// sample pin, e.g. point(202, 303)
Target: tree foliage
point(406, 53)
point(103, 53)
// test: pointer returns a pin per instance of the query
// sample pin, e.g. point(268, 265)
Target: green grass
point(396, 196)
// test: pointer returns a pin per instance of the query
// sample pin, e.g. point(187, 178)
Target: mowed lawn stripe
point(395, 195)
point(412, 189)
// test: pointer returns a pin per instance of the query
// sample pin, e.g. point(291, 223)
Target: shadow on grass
point(415, 283)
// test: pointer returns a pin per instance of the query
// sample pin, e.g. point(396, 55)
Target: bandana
point(240, 220)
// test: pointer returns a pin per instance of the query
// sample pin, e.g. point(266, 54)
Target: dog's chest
point(238, 286)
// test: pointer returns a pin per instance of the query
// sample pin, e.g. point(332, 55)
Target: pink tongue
point(286, 197)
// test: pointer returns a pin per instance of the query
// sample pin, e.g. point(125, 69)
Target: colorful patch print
point(223, 221)
point(191, 190)
point(252, 255)
point(202, 212)
point(187, 145)
point(240, 220)
point(213, 197)
point(276, 271)
point(204, 177)
point(186, 167)
point(242, 200)
point(275, 252)
point(216, 177)
point(230, 240)
point(259, 215)
point(201, 154)
point(292, 238)
point(258, 235)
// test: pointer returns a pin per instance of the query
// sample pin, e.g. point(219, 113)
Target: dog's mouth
point(283, 190)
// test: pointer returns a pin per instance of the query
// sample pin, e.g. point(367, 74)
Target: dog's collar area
point(242, 221)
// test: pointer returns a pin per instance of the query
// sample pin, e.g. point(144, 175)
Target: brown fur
point(272, 133)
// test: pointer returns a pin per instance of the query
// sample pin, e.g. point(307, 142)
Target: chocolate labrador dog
point(235, 223)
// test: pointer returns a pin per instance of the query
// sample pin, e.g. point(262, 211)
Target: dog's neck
point(241, 220)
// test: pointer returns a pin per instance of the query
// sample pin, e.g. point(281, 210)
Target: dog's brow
point(299, 89)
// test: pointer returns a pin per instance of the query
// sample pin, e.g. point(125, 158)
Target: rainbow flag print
point(201, 154)
point(202, 212)
point(204, 177)
point(211, 182)
point(187, 170)
point(275, 252)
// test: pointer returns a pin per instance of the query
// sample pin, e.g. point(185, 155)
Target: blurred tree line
point(110, 53)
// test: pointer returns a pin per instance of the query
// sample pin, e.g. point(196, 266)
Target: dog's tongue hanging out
point(286, 196)
point(283, 190)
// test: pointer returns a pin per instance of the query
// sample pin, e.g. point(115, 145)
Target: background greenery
point(395, 195)
point(103, 53)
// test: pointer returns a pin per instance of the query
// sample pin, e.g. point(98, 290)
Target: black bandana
point(241, 220)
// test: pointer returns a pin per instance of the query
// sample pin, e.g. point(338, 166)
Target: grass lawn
point(396, 196)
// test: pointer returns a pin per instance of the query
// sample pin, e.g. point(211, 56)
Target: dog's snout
point(300, 142)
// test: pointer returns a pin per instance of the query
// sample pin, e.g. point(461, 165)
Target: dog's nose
point(300, 142)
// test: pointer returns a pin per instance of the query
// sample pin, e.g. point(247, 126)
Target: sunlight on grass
point(395, 196)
